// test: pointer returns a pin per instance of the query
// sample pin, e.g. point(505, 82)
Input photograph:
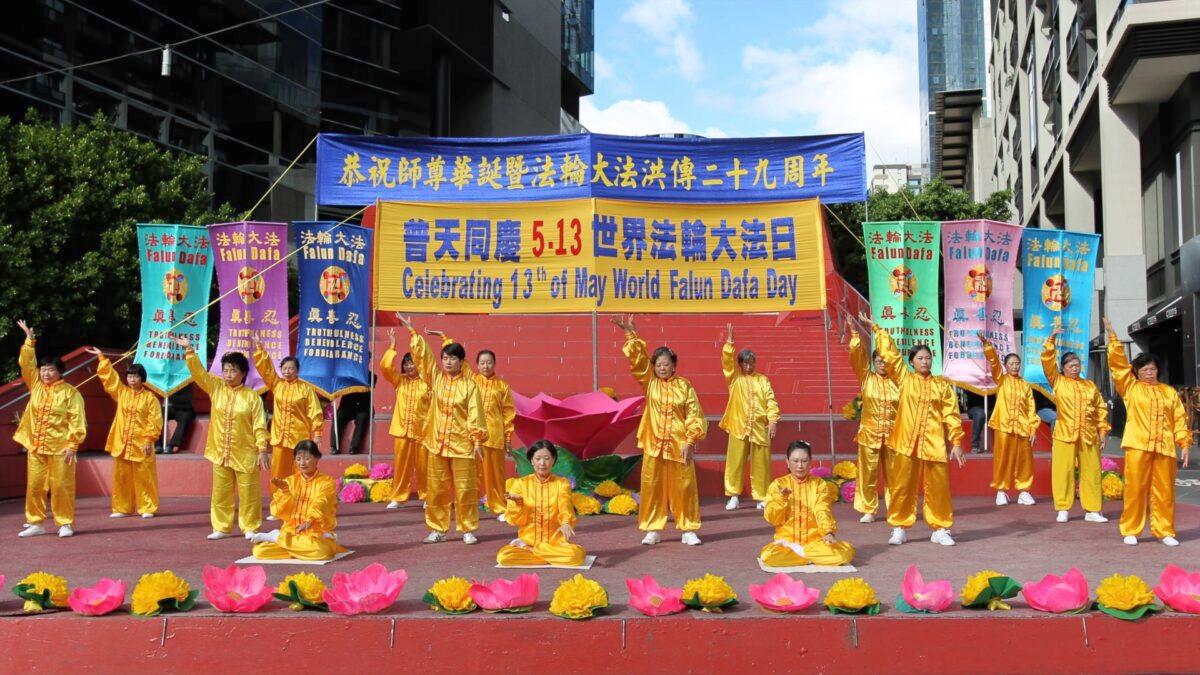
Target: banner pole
point(371, 385)
point(595, 355)
point(983, 432)
point(829, 384)
point(166, 418)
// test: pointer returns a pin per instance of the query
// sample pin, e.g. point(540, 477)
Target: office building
point(951, 51)
point(892, 178)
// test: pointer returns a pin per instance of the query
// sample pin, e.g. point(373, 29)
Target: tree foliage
point(70, 199)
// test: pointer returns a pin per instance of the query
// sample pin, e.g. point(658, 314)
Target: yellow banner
point(609, 255)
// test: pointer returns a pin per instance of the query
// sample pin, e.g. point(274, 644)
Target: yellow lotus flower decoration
point(709, 593)
point(578, 598)
point(608, 488)
point(37, 584)
point(309, 589)
point(381, 491)
point(585, 505)
point(622, 505)
point(846, 470)
point(356, 471)
point(156, 587)
point(1124, 592)
point(450, 595)
point(1112, 487)
point(851, 596)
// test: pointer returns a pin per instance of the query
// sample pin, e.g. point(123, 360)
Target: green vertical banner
point(904, 268)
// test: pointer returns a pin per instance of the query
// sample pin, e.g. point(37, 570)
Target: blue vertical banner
point(333, 345)
point(1060, 275)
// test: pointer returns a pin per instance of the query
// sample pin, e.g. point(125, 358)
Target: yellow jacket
point(671, 417)
point(804, 516)
point(307, 500)
point(498, 409)
point(1014, 412)
point(752, 406)
point(927, 416)
point(139, 419)
point(1155, 419)
point(879, 397)
point(545, 507)
point(456, 423)
point(1082, 414)
point(54, 421)
point(237, 425)
point(297, 414)
point(411, 413)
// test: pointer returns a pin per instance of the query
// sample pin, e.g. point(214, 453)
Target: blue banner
point(358, 170)
point(1060, 272)
point(177, 269)
point(335, 306)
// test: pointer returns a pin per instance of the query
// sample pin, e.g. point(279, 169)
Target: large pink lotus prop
point(920, 597)
point(647, 597)
point(1068, 593)
point(503, 595)
point(235, 590)
point(586, 424)
point(367, 591)
point(98, 600)
point(784, 594)
point(1179, 590)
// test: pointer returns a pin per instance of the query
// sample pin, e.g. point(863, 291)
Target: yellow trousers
point(1149, 482)
point(226, 484)
point(815, 553)
point(560, 555)
point(135, 485)
point(1012, 462)
point(299, 547)
point(283, 463)
point(1063, 457)
point(870, 461)
point(451, 480)
point(904, 473)
point(49, 473)
point(668, 485)
point(735, 466)
point(491, 479)
point(408, 457)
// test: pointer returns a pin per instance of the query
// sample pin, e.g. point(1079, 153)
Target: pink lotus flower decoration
point(588, 424)
point(821, 472)
point(236, 590)
point(931, 597)
point(1068, 593)
point(353, 493)
point(647, 597)
point(106, 596)
point(1108, 464)
point(367, 591)
point(381, 471)
point(848, 490)
point(1179, 589)
point(503, 595)
point(784, 594)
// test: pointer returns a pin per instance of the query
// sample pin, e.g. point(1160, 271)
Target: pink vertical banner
point(248, 259)
point(980, 258)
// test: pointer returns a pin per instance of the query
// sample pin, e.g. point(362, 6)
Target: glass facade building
point(950, 34)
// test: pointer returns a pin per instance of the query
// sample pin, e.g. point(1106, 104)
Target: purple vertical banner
point(249, 263)
point(980, 258)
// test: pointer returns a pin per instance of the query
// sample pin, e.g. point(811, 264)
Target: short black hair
point(541, 445)
point(798, 445)
point(237, 360)
point(136, 369)
point(454, 349)
point(874, 354)
point(407, 358)
point(1144, 359)
point(745, 355)
point(307, 446)
point(664, 351)
point(1069, 356)
point(917, 349)
point(293, 359)
point(485, 351)
point(53, 361)
point(1011, 355)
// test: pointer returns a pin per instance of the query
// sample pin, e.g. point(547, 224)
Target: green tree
point(937, 200)
point(70, 198)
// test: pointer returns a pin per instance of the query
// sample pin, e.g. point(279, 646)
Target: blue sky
point(759, 68)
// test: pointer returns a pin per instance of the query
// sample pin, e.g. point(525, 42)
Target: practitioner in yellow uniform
point(672, 424)
point(306, 502)
point(1014, 421)
point(1155, 424)
point(1080, 430)
point(540, 507)
point(408, 423)
point(500, 415)
point(927, 432)
point(297, 414)
point(454, 437)
point(750, 420)
point(137, 424)
point(879, 396)
point(51, 428)
point(237, 445)
point(798, 507)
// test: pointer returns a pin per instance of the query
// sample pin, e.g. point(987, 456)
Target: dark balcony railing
point(1083, 88)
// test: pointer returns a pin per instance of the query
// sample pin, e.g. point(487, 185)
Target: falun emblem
point(335, 285)
point(1056, 293)
point(903, 282)
point(978, 283)
point(175, 286)
point(251, 285)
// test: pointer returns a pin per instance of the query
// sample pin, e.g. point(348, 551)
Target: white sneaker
point(422, 505)
point(249, 534)
point(147, 515)
point(651, 538)
point(1001, 498)
point(1094, 517)
point(761, 506)
point(393, 505)
point(867, 518)
point(898, 536)
point(501, 518)
point(262, 537)
point(690, 539)
point(942, 537)
point(733, 503)
point(272, 518)
point(1062, 517)
point(1170, 541)
point(1130, 540)
point(469, 538)
point(1025, 499)
point(66, 531)
point(434, 538)
point(31, 531)
point(219, 535)
point(114, 514)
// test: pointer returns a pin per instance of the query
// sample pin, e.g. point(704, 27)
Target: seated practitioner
point(540, 507)
point(798, 507)
point(306, 502)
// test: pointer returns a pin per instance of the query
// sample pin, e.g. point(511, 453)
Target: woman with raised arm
point(1078, 434)
point(408, 423)
point(672, 424)
point(798, 505)
point(1015, 422)
point(1155, 424)
point(879, 397)
point(137, 424)
point(928, 431)
point(297, 413)
point(539, 506)
point(237, 445)
point(750, 419)
point(454, 437)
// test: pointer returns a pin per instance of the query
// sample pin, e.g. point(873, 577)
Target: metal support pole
point(595, 355)
point(166, 418)
point(829, 384)
point(335, 439)
point(371, 385)
point(983, 432)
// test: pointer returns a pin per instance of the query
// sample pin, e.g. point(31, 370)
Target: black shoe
point(335, 451)
point(355, 451)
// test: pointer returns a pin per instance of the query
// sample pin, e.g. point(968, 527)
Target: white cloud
point(609, 80)
point(636, 117)
point(665, 22)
